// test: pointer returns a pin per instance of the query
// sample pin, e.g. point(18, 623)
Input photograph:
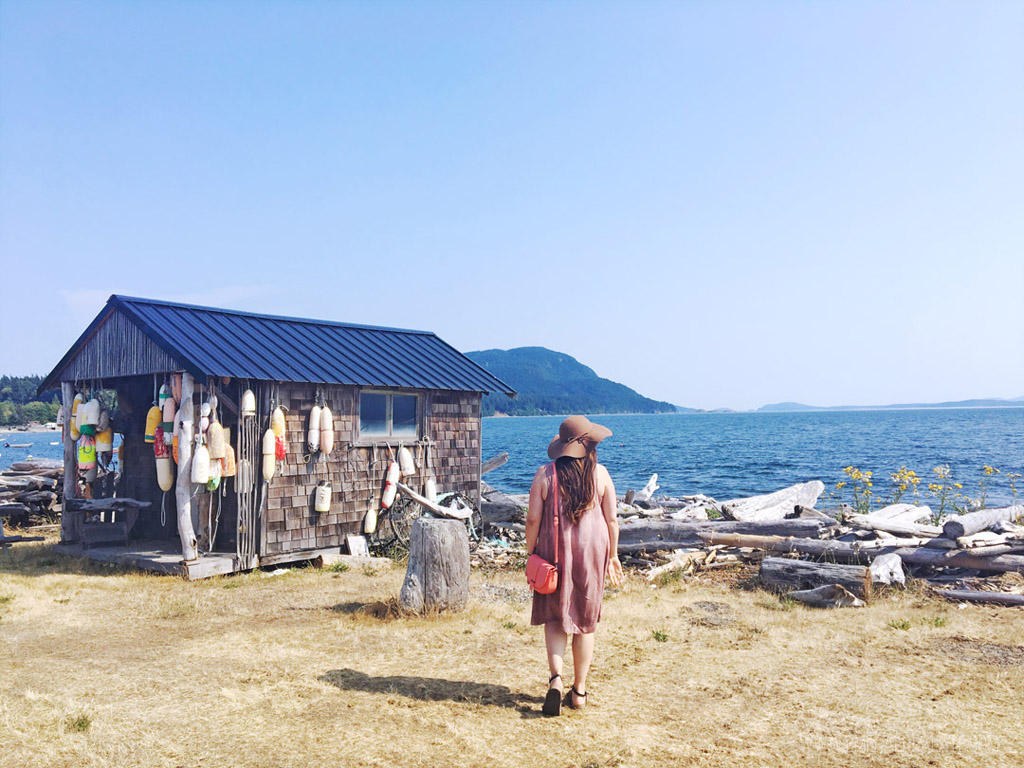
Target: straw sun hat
point(577, 436)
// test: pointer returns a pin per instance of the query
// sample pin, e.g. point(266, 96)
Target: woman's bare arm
point(609, 508)
point(538, 492)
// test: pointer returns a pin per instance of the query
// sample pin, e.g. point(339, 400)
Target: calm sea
point(739, 454)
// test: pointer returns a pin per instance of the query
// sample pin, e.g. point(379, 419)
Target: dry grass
point(103, 667)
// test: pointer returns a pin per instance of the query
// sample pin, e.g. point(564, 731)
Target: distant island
point(550, 382)
point(991, 402)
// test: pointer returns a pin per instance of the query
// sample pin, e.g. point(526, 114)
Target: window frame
point(389, 437)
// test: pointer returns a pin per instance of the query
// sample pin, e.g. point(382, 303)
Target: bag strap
point(557, 503)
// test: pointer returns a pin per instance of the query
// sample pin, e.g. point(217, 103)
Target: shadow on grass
point(39, 559)
point(435, 689)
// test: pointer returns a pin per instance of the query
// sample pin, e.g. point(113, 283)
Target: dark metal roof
point(222, 342)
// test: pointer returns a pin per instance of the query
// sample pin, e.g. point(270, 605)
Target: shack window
point(385, 414)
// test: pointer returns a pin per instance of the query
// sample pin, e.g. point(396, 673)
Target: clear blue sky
point(716, 203)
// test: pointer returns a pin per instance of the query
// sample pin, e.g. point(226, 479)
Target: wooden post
point(68, 528)
point(437, 578)
point(183, 486)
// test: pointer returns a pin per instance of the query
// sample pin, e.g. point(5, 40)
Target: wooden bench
point(105, 532)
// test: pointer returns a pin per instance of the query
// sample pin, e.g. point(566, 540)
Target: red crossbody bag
point(541, 575)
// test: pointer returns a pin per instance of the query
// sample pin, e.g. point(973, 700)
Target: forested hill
point(552, 383)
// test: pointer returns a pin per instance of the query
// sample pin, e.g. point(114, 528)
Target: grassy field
point(103, 667)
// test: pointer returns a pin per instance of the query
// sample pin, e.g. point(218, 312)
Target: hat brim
point(577, 450)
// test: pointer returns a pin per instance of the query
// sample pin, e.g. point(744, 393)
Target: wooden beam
point(68, 531)
point(493, 463)
point(183, 485)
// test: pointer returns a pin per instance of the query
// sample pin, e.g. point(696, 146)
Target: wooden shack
point(387, 388)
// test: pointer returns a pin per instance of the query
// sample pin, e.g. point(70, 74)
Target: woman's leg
point(582, 655)
point(555, 640)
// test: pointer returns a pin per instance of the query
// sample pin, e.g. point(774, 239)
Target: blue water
point(739, 454)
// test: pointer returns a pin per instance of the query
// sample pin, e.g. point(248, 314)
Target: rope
point(163, 510)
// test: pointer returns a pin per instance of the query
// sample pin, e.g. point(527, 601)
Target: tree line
point(19, 403)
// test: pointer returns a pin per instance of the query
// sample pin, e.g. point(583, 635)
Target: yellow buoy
point(86, 452)
point(105, 441)
point(152, 422)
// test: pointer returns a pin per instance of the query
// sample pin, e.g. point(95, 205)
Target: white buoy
point(269, 456)
point(313, 433)
point(405, 462)
point(248, 403)
point(201, 465)
point(326, 430)
point(215, 440)
point(322, 498)
point(390, 485)
point(165, 473)
point(370, 522)
point(430, 489)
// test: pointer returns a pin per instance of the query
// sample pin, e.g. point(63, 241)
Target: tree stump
point(437, 578)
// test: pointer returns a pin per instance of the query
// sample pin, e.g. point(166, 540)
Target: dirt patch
point(709, 613)
point(978, 652)
point(493, 593)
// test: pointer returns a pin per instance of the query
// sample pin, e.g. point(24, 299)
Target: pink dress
point(582, 563)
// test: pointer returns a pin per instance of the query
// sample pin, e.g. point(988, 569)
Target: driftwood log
point(975, 522)
point(828, 596)
point(971, 596)
point(875, 523)
point(183, 484)
point(494, 462)
point(437, 578)
point(648, 535)
point(68, 525)
point(774, 506)
point(784, 575)
point(960, 559)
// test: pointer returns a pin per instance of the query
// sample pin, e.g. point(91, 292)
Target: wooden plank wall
point(451, 419)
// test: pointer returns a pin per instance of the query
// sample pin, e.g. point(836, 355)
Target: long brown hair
point(576, 483)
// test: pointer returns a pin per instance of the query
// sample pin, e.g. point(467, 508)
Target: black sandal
point(568, 697)
point(553, 700)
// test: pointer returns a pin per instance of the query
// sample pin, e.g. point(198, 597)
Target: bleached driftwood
point(784, 575)
point(679, 560)
point(183, 484)
point(454, 512)
point(642, 535)
point(887, 569)
point(961, 559)
point(647, 492)
point(68, 526)
point(828, 596)
point(903, 513)
point(774, 506)
point(494, 462)
point(875, 523)
point(975, 522)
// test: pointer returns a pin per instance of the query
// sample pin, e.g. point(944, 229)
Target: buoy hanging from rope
point(104, 423)
point(165, 392)
point(430, 489)
point(176, 386)
point(153, 419)
point(405, 462)
point(313, 433)
point(73, 424)
point(86, 452)
point(248, 403)
point(167, 414)
point(277, 424)
point(215, 474)
point(215, 440)
point(201, 465)
point(105, 442)
point(322, 498)
point(390, 485)
point(269, 455)
point(370, 522)
point(204, 420)
point(326, 430)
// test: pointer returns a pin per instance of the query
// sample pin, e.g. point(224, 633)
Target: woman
point(581, 492)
